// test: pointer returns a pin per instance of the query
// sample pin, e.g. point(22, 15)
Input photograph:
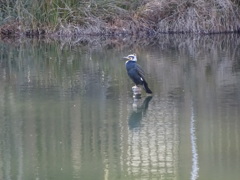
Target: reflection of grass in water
point(46, 65)
point(47, 130)
point(74, 63)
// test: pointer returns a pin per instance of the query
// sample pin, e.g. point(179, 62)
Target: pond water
point(67, 110)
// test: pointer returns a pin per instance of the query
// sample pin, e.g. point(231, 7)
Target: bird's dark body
point(133, 72)
point(136, 73)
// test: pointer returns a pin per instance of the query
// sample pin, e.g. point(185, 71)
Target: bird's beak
point(126, 58)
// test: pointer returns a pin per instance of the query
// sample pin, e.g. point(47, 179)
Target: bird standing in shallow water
point(135, 72)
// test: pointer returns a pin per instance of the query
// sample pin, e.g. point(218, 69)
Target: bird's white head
point(131, 57)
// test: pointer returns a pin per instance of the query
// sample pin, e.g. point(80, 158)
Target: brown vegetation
point(197, 16)
point(119, 18)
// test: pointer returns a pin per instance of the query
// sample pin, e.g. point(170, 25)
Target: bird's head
point(131, 57)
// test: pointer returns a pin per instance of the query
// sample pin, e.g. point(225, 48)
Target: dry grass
point(197, 16)
point(118, 18)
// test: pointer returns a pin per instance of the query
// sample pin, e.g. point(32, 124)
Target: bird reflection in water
point(139, 111)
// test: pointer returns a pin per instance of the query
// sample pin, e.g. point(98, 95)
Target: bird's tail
point(145, 86)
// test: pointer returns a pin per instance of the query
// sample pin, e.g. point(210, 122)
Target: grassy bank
point(117, 17)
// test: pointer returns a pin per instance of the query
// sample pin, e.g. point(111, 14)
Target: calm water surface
point(67, 111)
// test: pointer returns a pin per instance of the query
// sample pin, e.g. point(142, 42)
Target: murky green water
point(67, 112)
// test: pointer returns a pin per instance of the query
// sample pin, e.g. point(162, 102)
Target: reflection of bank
point(152, 142)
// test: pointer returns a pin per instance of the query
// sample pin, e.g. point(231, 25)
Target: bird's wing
point(140, 70)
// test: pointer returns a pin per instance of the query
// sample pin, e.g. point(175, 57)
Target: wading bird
point(135, 72)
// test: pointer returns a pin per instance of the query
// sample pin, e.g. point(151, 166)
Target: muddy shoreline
point(13, 30)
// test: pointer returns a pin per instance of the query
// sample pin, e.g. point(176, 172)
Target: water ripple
point(195, 167)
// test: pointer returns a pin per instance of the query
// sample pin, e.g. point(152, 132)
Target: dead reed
point(197, 16)
point(118, 18)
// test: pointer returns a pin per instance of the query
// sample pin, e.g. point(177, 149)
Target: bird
point(136, 73)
